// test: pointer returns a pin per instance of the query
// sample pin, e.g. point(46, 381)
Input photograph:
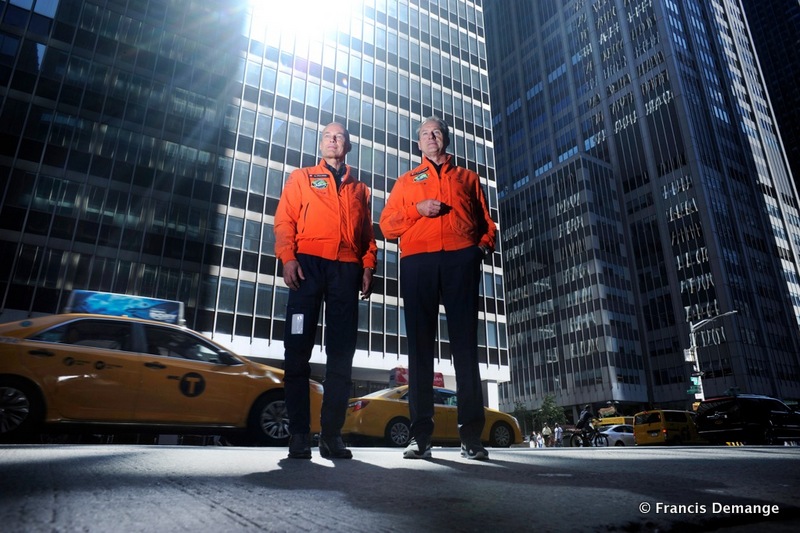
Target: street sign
point(693, 390)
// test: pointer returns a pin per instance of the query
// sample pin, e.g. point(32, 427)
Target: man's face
point(334, 143)
point(431, 140)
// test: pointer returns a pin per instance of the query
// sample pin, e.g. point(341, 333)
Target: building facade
point(775, 27)
point(645, 196)
point(145, 144)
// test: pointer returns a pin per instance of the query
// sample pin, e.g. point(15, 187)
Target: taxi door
point(185, 381)
point(445, 415)
point(87, 368)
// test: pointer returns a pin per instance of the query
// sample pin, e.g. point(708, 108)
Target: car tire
point(681, 439)
point(21, 409)
point(398, 432)
point(268, 423)
point(619, 443)
point(501, 435)
point(763, 435)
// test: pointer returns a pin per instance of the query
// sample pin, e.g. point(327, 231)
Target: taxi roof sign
point(109, 303)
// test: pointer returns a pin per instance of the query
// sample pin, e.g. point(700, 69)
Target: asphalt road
point(121, 488)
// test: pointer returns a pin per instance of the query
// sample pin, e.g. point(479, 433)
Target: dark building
point(650, 222)
point(775, 27)
point(144, 145)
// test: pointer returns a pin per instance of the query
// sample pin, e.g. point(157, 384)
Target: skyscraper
point(775, 27)
point(645, 196)
point(144, 145)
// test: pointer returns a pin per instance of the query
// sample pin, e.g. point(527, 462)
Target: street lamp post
point(691, 354)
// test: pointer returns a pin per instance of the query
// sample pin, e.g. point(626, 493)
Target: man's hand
point(293, 274)
point(366, 283)
point(431, 208)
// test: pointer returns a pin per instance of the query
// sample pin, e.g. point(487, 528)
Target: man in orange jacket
point(324, 238)
point(440, 215)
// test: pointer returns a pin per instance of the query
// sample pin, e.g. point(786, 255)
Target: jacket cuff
point(285, 258)
point(412, 213)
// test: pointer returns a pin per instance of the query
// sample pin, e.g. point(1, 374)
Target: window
point(167, 342)
point(108, 334)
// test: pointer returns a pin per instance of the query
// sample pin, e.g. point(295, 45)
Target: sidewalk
point(122, 488)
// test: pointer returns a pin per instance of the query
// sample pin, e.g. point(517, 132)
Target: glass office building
point(645, 195)
point(775, 27)
point(145, 144)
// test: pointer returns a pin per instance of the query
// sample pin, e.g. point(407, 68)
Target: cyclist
point(584, 424)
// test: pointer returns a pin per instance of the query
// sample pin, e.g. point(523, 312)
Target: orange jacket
point(313, 219)
point(467, 223)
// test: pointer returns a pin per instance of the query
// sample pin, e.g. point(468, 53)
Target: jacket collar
point(323, 167)
point(447, 161)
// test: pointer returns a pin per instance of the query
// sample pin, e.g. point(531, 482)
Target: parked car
point(383, 415)
point(618, 434)
point(126, 373)
point(663, 426)
point(747, 418)
point(600, 423)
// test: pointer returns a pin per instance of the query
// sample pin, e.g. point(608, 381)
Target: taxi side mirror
point(226, 358)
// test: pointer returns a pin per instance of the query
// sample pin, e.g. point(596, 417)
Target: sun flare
point(303, 18)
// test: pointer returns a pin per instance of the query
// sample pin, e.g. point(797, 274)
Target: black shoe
point(418, 448)
point(473, 449)
point(300, 446)
point(334, 448)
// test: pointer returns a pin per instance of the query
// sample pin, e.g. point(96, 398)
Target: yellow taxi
point(383, 415)
point(121, 372)
point(664, 426)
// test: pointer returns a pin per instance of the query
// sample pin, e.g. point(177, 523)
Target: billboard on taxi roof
point(109, 303)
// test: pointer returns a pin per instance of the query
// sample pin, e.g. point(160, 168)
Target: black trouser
point(338, 284)
point(453, 276)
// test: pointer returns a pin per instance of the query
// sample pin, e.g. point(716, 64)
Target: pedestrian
point(324, 238)
point(439, 213)
point(558, 433)
point(546, 434)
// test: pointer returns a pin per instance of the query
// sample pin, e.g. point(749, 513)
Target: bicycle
point(589, 437)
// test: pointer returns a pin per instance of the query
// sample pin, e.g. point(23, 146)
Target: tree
point(550, 412)
point(533, 419)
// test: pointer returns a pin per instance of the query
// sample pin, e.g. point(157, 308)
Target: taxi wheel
point(21, 408)
point(269, 422)
point(398, 432)
point(501, 435)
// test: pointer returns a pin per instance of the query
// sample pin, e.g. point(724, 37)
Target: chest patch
point(421, 177)
point(319, 184)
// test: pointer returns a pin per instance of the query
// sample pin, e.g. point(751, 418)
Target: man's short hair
point(442, 126)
